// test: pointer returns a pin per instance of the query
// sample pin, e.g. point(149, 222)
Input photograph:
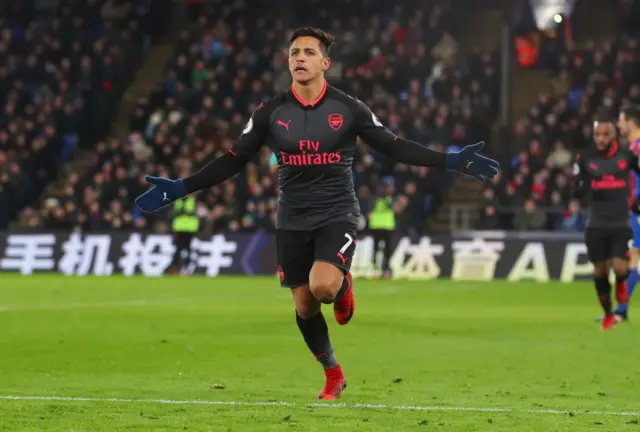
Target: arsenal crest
point(335, 121)
point(622, 164)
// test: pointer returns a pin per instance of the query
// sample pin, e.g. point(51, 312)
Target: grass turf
point(521, 347)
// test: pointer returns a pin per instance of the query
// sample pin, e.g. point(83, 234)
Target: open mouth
point(300, 69)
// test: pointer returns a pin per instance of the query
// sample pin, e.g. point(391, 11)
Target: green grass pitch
point(224, 354)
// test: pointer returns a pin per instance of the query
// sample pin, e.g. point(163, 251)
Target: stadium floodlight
point(549, 13)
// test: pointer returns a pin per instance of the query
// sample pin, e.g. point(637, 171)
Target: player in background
point(312, 129)
point(629, 125)
point(603, 172)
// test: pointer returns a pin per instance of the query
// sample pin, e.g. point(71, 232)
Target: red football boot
point(334, 385)
point(344, 308)
point(608, 322)
point(622, 293)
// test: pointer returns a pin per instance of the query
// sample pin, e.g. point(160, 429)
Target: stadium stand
point(404, 62)
point(534, 193)
point(62, 71)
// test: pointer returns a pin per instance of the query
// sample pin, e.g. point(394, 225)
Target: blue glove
point(163, 193)
point(469, 162)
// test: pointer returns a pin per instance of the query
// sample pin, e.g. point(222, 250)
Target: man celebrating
point(312, 129)
point(603, 171)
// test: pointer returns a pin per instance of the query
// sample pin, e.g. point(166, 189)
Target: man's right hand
point(163, 193)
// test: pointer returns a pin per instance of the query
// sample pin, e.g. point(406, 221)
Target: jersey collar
point(315, 102)
point(613, 150)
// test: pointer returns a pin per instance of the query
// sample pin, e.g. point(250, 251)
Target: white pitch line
point(322, 405)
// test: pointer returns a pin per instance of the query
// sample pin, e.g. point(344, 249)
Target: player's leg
point(330, 280)
point(295, 258)
point(603, 289)
point(315, 332)
point(621, 270)
point(313, 326)
point(598, 251)
point(620, 264)
point(632, 280)
point(623, 308)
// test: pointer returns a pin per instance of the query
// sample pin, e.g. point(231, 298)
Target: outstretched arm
point(166, 191)
point(229, 164)
point(215, 172)
point(381, 139)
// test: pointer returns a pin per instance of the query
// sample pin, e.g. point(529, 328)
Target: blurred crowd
point(63, 67)
point(63, 70)
point(402, 60)
point(535, 191)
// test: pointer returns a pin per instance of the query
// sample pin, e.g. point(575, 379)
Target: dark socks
point(316, 334)
point(343, 288)
point(603, 288)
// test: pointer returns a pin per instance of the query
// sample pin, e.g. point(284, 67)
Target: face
point(574, 207)
point(529, 206)
point(306, 60)
point(603, 135)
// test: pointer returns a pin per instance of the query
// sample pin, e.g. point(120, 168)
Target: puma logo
point(166, 198)
point(469, 164)
point(283, 124)
point(343, 258)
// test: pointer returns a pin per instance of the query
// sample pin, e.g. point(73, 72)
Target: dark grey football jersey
point(315, 146)
point(608, 178)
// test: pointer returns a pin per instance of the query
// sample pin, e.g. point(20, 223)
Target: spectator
point(446, 49)
point(232, 59)
point(595, 78)
point(489, 219)
point(559, 157)
point(530, 218)
point(574, 219)
point(61, 93)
